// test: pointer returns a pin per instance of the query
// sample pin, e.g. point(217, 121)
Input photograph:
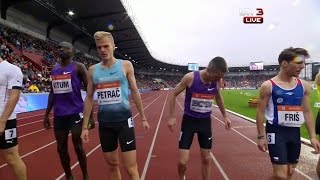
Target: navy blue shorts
point(318, 123)
point(284, 144)
point(190, 126)
point(113, 132)
point(67, 122)
point(9, 138)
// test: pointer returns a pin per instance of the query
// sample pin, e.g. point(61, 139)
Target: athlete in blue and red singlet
point(202, 87)
point(68, 77)
point(284, 102)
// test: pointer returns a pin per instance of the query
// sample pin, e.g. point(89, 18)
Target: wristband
point(260, 137)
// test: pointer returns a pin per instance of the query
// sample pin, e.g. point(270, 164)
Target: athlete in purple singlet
point(202, 87)
point(68, 77)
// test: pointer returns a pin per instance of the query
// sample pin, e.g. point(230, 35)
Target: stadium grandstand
point(30, 31)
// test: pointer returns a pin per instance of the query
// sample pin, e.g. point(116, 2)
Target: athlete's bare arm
point(317, 79)
point(307, 113)
point(129, 71)
point(220, 104)
point(46, 121)
point(264, 95)
point(134, 89)
point(82, 73)
point(15, 85)
point(186, 81)
point(88, 102)
point(11, 104)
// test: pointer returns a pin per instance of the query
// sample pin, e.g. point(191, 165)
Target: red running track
point(234, 153)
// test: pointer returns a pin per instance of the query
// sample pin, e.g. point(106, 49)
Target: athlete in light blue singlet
point(112, 93)
point(111, 80)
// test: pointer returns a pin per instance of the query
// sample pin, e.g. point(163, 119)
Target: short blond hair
point(101, 34)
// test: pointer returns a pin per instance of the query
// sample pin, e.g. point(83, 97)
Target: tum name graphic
point(252, 16)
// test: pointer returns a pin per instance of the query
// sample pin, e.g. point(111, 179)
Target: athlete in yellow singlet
point(317, 83)
point(318, 88)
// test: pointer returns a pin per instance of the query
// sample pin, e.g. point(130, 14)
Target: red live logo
point(252, 20)
point(251, 17)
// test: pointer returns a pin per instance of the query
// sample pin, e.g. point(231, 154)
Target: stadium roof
point(182, 31)
point(89, 17)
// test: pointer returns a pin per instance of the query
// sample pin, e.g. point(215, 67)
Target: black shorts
point(318, 123)
point(67, 122)
point(9, 138)
point(284, 144)
point(191, 125)
point(112, 132)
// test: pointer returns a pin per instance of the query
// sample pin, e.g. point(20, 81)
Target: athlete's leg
point(128, 147)
point(77, 144)
point(109, 145)
point(280, 172)
point(91, 123)
point(205, 142)
point(130, 162)
point(278, 151)
point(112, 161)
point(294, 148)
point(206, 164)
point(182, 164)
point(185, 141)
point(9, 149)
point(12, 157)
point(62, 147)
point(291, 170)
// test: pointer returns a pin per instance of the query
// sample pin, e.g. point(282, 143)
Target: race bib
point(61, 84)
point(271, 138)
point(290, 116)
point(130, 122)
point(109, 93)
point(10, 133)
point(201, 103)
point(317, 104)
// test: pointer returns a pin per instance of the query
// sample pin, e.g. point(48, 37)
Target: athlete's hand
point(262, 144)
point(46, 122)
point(145, 125)
point(227, 123)
point(315, 144)
point(85, 135)
point(171, 123)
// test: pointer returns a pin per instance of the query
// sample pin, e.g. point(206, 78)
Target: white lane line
point(303, 174)
point(144, 172)
point(214, 159)
point(74, 165)
point(32, 152)
point(219, 167)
